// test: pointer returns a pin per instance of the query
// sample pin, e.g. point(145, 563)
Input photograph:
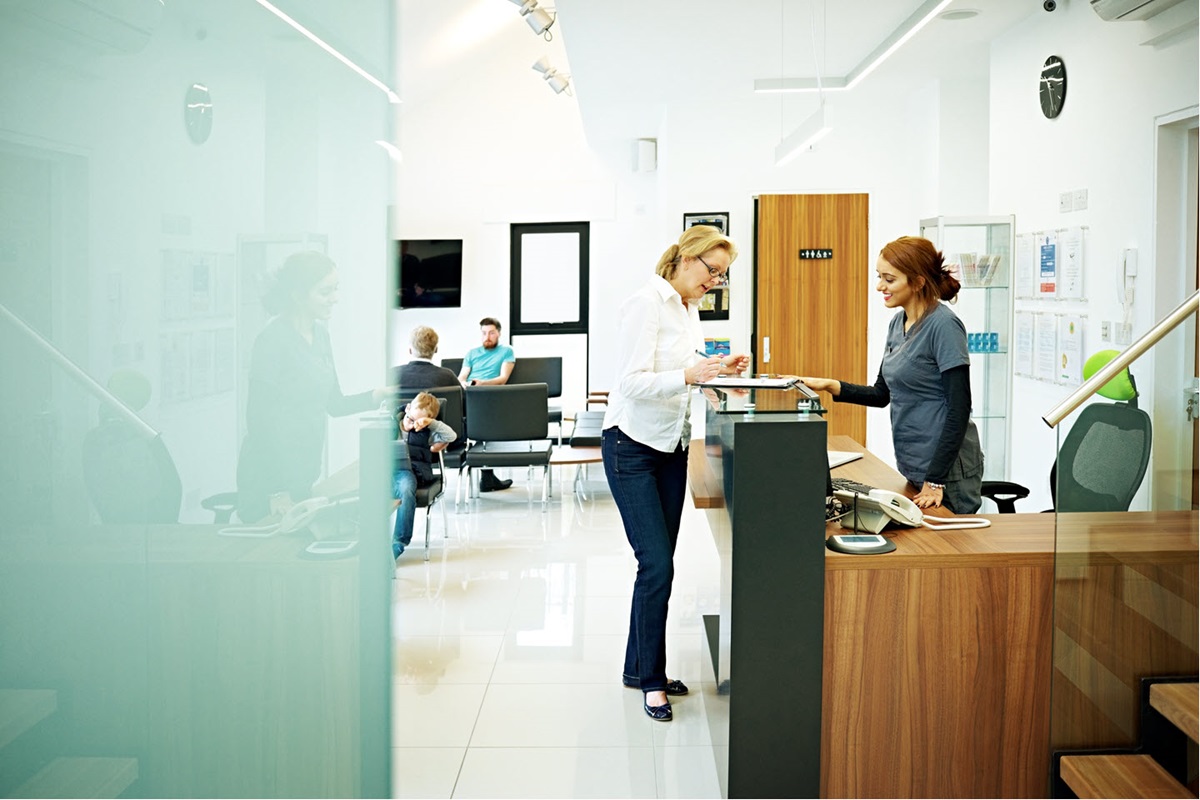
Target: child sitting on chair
point(425, 437)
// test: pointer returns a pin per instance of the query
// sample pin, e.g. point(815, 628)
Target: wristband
point(932, 485)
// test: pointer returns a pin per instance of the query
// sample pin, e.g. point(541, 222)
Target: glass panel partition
point(159, 162)
point(1125, 567)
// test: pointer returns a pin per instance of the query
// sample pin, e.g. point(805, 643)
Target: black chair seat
point(510, 454)
point(427, 494)
point(587, 430)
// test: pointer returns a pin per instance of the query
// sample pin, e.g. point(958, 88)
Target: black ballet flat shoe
point(658, 713)
point(674, 688)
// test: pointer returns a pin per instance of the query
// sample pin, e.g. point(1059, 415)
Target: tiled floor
point(508, 650)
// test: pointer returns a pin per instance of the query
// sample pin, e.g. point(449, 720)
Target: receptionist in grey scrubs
point(925, 376)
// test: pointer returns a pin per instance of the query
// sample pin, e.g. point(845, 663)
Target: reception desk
point(936, 673)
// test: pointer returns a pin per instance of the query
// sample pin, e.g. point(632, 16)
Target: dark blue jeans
point(648, 486)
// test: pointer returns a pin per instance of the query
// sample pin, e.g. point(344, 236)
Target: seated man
point(490, 364)
point(421, 373)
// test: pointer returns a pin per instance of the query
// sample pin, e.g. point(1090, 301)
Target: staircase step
point(1180, 703)
point(1119, 776)
point(81, 777)
point(21, 709)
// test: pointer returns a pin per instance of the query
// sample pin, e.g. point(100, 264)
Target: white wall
point(1104, 142)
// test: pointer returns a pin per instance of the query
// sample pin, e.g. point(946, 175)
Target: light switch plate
point(1105, 331)
point(1065, 202)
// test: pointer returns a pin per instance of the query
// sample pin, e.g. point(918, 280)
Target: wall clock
point(1052, 88)
point(198, 113)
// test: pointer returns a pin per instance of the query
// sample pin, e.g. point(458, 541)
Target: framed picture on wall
point(718, 219)
point(715, 304)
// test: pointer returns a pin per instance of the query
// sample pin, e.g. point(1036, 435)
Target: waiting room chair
point(508, 429)
point(547, 370)
point(1104, 457)
point(450, 404)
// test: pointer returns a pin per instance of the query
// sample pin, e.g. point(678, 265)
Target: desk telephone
point(873, 511)
point(300, 516)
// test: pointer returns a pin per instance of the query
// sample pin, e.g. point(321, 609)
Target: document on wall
point(1045, 343)
point(1070, 349)
point(1047, 265)
point(1070, 264)
point(1023, 266)
point(1023, 343)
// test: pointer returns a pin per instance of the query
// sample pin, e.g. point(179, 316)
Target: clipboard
point(734, 382)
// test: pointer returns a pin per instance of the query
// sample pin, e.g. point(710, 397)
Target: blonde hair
point(426, 402)
point(695, 241)
point(424, 341)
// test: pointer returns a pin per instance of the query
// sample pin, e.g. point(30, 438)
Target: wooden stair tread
point(1180, 703)
point(1119, 776)
point(21, 709)
point(81, 777)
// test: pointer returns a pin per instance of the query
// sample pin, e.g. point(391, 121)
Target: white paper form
point(1045, 343)
point(1023, 266)
point(1047, 284)
point(1070, 349)
point(1023, 343)
point(1070, 264)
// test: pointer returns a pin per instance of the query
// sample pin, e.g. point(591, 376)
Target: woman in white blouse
point(646, 435)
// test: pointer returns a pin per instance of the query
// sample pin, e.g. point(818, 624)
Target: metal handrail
point(106, 397)
point(1124, 359)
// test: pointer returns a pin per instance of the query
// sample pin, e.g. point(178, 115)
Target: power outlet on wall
point(1124, 334)
point(1065, 202)
point(1079, 199)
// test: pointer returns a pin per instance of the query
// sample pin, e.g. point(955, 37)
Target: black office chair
point(547, 370)
point(450, 400)
point(132, 479)
point(508, 429)
point(1104, 457)
point(453, 364)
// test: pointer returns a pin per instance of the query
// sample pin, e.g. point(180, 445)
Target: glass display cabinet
point(980, 251)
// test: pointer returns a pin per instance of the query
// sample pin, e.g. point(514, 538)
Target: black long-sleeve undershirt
point(956, 382)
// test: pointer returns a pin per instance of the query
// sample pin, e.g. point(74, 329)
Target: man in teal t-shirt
point(490, 364)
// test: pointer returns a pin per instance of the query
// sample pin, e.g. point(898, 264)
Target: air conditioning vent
point(1124, 10)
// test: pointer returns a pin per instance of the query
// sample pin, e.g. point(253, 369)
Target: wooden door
point(811, 313)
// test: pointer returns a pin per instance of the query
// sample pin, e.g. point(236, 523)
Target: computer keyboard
point(847, 485)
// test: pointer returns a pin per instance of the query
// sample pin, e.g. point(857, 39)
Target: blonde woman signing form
point(925, 375)
point(646, 436)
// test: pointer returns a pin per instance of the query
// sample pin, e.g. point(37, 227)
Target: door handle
point(766, 349)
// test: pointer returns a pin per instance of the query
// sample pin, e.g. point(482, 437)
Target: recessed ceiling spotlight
point(956, 14)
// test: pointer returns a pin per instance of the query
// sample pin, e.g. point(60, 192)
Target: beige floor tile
point(551, 715)
point(444, 659)
point(425, 772)
point(435, 716)
point(557, 772)
point(686, 772)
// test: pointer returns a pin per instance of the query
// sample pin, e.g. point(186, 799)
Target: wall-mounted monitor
point(429, 273)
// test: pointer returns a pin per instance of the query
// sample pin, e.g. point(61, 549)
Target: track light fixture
point(557, 82)
point(539, 21)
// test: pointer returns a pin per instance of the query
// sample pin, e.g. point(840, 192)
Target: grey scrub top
point(913, 364)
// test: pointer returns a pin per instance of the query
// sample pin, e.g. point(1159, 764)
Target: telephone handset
point(872, 512)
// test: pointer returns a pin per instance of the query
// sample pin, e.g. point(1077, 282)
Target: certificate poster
point(1045, 347)
point(1070, 350)
point(1023, 266)
point(1047, 265)
point(1023, 343)
point(1070, 264)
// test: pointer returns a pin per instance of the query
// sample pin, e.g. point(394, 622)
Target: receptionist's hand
point(929, 496)
point(738, 363)
point(823, 385)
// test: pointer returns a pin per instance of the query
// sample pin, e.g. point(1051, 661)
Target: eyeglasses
point(721, 277)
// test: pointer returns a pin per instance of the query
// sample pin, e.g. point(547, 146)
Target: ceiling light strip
point(319, 42)
point(811, 131)
point(918, 20)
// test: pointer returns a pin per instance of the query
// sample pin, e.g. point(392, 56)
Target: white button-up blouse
point(657, 340)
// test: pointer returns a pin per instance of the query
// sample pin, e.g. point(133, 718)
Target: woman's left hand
point(737, 364)
point(928, 497)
